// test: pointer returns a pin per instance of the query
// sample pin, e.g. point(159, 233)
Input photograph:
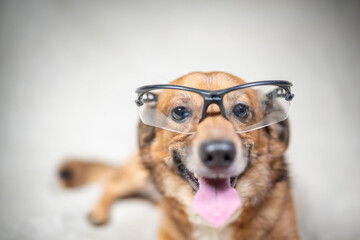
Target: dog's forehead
point(208, 81)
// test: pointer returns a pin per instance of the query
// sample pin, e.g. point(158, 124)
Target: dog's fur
point(267, 211)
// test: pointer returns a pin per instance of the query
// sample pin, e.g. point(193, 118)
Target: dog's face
point(195, 166)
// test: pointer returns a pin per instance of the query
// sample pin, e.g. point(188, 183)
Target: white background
point(68, 74)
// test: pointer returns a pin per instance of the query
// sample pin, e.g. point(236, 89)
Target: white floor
point(68, 70)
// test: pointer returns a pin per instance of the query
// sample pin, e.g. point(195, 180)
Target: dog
point(169, 168)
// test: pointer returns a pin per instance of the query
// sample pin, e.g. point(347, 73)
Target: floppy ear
point(145, 134)
point(278, 135)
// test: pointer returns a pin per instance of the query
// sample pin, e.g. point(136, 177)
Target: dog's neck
point(205, 231)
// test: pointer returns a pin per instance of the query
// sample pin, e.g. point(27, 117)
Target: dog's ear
point(145, 134)
point(278, 135)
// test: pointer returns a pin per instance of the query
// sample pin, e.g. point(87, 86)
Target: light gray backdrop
point(68, 73)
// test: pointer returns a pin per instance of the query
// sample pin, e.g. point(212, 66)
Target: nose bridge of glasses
point(210, 103)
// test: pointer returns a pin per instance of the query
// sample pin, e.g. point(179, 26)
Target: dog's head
point(216, 169)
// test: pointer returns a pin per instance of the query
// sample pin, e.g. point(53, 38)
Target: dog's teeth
point(195, 175)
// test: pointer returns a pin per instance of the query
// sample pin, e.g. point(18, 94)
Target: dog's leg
point(128, 180)
point(131, 179)
point(163, 235)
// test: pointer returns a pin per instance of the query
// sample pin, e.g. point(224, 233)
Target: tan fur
point(267, 211)
point(128, 180)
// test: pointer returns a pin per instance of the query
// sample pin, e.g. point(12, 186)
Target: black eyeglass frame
point(216, 97)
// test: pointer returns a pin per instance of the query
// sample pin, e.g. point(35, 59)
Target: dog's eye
point(241, 111)
point(180, 113)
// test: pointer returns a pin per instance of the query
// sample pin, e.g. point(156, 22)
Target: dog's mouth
point(193, 179)
point(215, 198)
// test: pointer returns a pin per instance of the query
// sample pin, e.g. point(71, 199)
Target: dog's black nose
point(217, 154)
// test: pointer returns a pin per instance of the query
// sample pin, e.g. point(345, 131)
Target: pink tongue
point(216, 200)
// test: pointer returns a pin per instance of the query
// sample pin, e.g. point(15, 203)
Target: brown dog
point(157, 171)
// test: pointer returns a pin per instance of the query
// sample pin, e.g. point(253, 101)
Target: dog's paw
point(72, 173)
point(99, 215)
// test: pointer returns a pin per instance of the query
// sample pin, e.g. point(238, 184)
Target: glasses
point(247, 106)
